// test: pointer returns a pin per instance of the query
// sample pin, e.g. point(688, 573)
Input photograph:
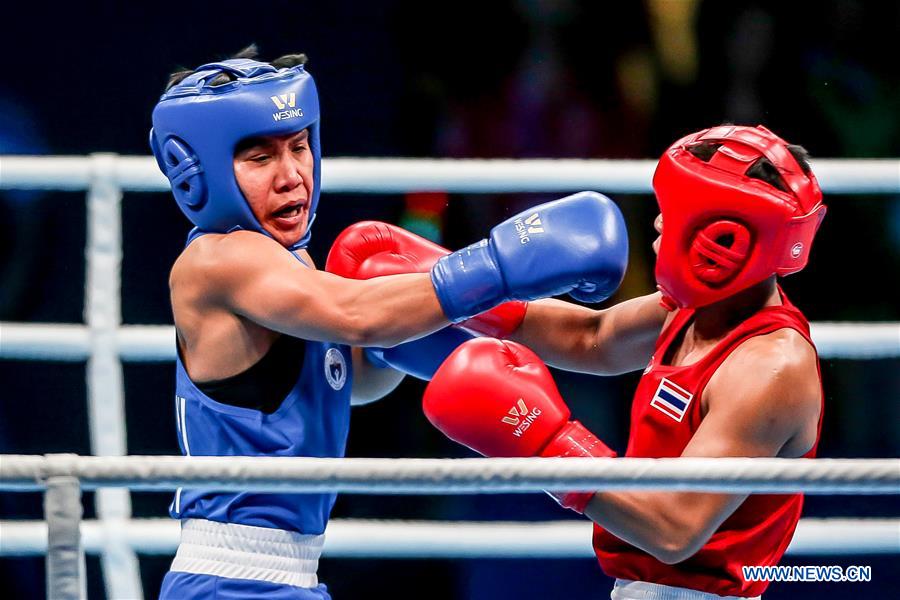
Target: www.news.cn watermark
point(804, 573)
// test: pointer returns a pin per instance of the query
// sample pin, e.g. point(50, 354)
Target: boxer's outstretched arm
point(252, 276)
point(616, 340)
point(764, 401)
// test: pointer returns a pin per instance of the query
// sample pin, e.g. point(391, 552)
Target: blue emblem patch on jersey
point(335, 369)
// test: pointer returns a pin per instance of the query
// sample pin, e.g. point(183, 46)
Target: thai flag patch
point(671, 399)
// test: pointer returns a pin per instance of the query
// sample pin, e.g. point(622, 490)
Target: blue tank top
point(313, 420)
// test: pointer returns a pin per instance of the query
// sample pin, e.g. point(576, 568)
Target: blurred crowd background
point(469, 78)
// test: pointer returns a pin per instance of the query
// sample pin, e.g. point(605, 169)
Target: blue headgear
point(197, 126)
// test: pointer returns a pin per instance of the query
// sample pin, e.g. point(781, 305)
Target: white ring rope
point(397, 175)
point(150, 343)
point(468, 475)
point(379, 538)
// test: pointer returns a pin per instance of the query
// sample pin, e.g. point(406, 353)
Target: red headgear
point(722, 230)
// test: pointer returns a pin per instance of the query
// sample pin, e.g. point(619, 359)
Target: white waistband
point(247, 552)
point(641, 590)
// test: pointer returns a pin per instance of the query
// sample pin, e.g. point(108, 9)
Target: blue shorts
point(178, 585)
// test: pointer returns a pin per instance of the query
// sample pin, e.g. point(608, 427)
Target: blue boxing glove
point(422, 357)
point(577, 245)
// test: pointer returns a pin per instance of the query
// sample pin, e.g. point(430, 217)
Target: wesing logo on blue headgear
point(286, 101)
point(197, 126)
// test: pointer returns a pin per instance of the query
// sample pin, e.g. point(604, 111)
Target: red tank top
point(665, 414)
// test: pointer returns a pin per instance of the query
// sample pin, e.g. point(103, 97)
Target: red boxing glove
point(499, 322)
point(499, 399)
point(373, 249)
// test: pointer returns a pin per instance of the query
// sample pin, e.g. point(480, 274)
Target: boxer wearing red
point(665, 416)
point(730, 370)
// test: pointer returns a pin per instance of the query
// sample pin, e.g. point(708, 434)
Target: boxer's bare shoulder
point(773, 380)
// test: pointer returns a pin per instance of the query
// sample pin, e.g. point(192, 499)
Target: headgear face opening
point(724, 231)
point(197, 126)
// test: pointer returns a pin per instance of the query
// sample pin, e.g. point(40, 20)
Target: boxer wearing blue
point(270, 349)
point(210, 564)
point(250, 381)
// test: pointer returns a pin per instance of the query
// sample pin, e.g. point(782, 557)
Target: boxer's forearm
point(384, 311)
point(670, 526)
point(371, 382)
point(612, 341)
point(562, 333)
